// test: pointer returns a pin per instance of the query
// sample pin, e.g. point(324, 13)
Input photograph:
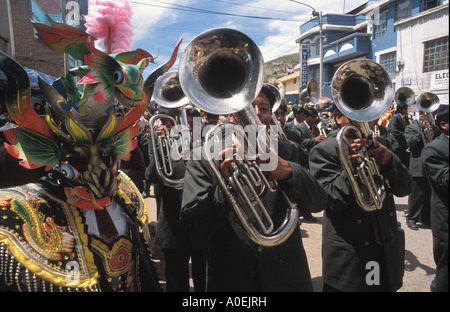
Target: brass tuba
point(362, 90)
point(173, 144)
point(427, 102)
point(311, 91)
point(221, 72)
point(405, 95)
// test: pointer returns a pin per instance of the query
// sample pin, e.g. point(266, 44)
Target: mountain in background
point(277, 68)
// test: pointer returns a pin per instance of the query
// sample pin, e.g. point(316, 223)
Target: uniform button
point(280, 261)
point(359, 221)
point(235, 219)
point(366, 244)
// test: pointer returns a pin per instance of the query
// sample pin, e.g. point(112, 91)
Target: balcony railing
point(354, 45)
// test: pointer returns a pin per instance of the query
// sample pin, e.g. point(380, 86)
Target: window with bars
point(435, 55)
point(388, 62)
point(403, 9)
point(428, 4)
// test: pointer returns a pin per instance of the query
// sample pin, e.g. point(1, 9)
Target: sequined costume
point(83, 226)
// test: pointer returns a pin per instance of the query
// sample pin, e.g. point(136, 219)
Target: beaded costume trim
point(43, 234)
point(48, 237)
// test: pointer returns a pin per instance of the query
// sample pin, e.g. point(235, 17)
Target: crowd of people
point(195, 223)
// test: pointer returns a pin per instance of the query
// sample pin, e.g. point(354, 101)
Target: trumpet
point(428, 103)
point(363, 92)
point(221, 72)
point(169, 146)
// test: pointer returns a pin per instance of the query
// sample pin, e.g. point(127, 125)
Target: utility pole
point(315, 13)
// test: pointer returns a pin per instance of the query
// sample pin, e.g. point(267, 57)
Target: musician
point(397, 126)
point(299, 117)
point(310, 132)
point(235, 263)
point(355, 241)
point(208, 121)
point(419, 199)
point(435, 158)
point(171, 236)
point(382, 134)
point(291, 134)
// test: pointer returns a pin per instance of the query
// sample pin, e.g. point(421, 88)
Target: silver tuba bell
point(427, 102)
point(221, 72)
point(311, 91)
point(173, 144)
point(405, 95)
point(362, 90)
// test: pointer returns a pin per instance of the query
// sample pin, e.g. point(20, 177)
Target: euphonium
point(362, 90)
point(173, 144)
point(222, 71)
point(428, 103)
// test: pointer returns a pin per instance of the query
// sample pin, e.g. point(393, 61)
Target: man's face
point(403, 111)
point(444, 126)
point(262, 107)
point(311, 120)
point(280, 115)
point(300, 117)
point(212, 119)
point(341, 120)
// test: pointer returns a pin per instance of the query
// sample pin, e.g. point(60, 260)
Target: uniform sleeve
point(304, 189)
point(325, 166)
point(413, 138)
point(435, 163)
point(399, 177)
point(202, 211)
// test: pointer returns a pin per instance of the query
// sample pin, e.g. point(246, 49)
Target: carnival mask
point(82, 136)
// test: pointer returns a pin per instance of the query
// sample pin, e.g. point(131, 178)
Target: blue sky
point(272, 24)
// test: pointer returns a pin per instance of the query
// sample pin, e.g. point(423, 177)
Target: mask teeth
point(107, 188)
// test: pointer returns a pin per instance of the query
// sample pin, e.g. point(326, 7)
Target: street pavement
point(419, 263)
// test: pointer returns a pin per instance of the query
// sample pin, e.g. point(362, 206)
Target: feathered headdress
point(109, 83)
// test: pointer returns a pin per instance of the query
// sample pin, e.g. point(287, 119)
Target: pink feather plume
point(110, 22)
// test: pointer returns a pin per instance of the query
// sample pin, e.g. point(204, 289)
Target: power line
point(196, 10)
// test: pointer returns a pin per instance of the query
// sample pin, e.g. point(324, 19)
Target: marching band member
point(235, 263)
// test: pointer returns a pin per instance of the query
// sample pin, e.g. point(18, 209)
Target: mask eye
point(69, 172)
point(118, 76)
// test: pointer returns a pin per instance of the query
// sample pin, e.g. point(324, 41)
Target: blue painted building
point(369, 31)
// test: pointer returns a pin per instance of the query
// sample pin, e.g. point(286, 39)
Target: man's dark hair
point(402, 106)
point(190, 111)
point(309, 111)
point(298, 110)
point(335, 110)
point(442, 114)
point(283, 107)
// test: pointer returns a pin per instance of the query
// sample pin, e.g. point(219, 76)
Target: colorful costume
point(83, 226)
